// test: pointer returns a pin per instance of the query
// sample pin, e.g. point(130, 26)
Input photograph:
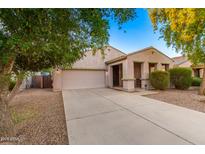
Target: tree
point(184, 30)
point(36, 39)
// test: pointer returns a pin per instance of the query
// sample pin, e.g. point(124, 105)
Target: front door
point(116, 81)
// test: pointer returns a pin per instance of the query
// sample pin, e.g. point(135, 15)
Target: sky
point(139, 34)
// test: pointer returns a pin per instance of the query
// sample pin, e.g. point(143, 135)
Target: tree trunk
point(202, 87)
point(14, 90)
point(6, 124)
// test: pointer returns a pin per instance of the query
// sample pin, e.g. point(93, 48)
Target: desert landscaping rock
point(39, 117)
point(185, 98)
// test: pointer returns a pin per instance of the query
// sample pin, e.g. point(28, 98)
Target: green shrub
point(159, 80)
point(196, 81)
point(181, 77)
point(11, 85)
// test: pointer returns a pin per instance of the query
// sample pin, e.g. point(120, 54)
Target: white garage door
point(79, 79)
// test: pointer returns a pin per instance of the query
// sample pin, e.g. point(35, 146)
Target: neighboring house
point(116, 69)
point(182, 61)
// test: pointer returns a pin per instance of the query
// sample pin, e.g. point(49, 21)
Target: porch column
point(120, 75)
point(57, 80)
point(128, 76)
point(145, 75)
point(110, 76)
point(201, 71)
point(159, 66)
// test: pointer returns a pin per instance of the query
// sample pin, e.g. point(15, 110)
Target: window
point(152, 67)
point(197, 72)
point(165, 67)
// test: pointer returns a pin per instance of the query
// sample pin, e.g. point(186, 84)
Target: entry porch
point(132, 76)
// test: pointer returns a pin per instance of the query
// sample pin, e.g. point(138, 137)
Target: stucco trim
point(151, 62)
point(198, 66)
point(144, 79)
point(126, 79)
point(165, 63)
point(116, 59)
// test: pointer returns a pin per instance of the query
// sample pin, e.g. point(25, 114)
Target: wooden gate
point(36, 82)
point(47, 81)
point(41, 82)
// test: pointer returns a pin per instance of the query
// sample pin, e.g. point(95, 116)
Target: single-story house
point(183, 61)
point(115, 70)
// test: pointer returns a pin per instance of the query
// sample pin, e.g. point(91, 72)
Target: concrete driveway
point(106, 116)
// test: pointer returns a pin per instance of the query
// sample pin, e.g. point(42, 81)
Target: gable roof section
point(97, 60)
point(116, 49)
point(107, 46)
point(180, 60)
point(136, 52)
point(151, 47)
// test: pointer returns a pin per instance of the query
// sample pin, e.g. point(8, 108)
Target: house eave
point(116, 60)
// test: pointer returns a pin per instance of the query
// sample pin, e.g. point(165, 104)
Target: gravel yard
point(39, 117)
point(184, 98)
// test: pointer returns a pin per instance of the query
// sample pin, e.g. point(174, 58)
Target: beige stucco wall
point(90, 61)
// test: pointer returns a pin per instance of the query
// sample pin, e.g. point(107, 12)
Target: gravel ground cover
point(184, 98)
point(39, 117)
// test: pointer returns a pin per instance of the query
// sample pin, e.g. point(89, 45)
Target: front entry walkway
point(107, 116)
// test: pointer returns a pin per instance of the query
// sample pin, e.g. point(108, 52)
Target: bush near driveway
point(181, 77)
point(159, 80)
point(196, 81)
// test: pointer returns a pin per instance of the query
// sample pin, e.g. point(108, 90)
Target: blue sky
point(139, 34)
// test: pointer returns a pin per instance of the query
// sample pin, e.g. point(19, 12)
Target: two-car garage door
point(78, 79)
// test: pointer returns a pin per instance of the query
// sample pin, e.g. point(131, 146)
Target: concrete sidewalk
point(106, 116)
